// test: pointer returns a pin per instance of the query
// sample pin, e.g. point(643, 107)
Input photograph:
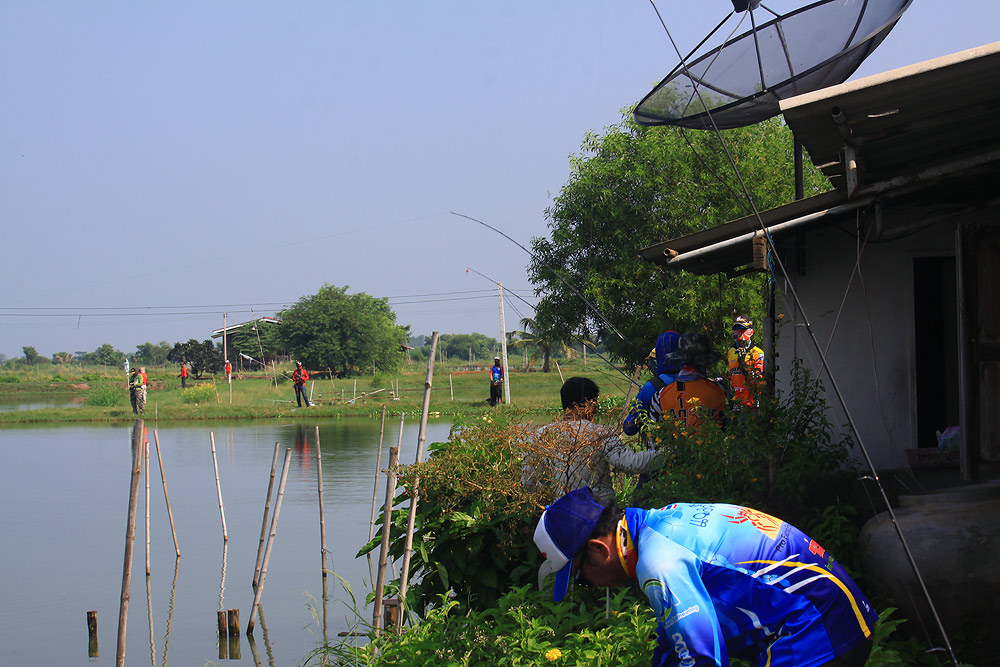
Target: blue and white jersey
point(725, 580)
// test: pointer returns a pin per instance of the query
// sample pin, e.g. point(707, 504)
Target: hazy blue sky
point(163, 163)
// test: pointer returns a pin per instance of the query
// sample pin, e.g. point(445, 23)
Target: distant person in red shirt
point(299, 378)
point(229, 371)
point(184, 376)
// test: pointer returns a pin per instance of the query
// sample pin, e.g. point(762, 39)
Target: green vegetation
point(635, 186)
point(347, 333)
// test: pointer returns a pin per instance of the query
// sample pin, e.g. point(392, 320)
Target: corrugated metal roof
point(925, 133)
point(904, 121)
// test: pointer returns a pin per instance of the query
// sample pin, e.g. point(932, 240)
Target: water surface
point(65, 493)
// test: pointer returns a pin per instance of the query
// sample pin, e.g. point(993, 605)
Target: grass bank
point(456, 390)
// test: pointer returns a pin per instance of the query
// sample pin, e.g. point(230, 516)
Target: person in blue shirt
point(645, 408)
point(496, 382)
point(723, 581)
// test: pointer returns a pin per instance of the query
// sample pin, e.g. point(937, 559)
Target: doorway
point(935, 310)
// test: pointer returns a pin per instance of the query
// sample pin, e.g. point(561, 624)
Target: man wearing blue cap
point(723, 580)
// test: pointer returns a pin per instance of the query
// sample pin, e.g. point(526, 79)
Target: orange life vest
point(692, 401)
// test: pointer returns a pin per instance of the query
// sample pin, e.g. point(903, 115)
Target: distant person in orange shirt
point(299, 378)
point(184, 375)
point(692, 397)
point(229, 371)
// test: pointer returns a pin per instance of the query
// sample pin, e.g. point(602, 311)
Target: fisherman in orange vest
point(692, 398)
point(299, 378)
point(746, 364)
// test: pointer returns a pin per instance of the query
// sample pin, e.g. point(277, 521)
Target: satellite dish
point(741, 81)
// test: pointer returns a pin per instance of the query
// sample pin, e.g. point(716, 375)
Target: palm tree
point(538, 336)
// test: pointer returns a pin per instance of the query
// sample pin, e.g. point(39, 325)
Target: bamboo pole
point(560, 372)
point(404, 572)
point(378, 468)
point(322, 521)
point(170, 610)
point(263, 523)
point(166, 496)
point(129, 540)
point(222, 583)
point(218, 487)
point(383, 556)
point(451, 385)
point(270, 541)
point(92, 648)
point(312, 385)
point(145, 474)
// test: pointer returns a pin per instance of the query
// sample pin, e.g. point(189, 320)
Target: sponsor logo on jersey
point(681, 649)
point(765, 523)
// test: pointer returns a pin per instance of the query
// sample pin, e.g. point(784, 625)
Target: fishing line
point(604, 320)
point(808, 326)
point(534, 307)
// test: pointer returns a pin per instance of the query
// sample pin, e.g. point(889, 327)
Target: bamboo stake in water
point(270, 541)
point(378, 469)
point(145, 474)
point(129, 539)
point(322, 521)
point(149, 611)
point(166, 496)
point(263, 523)
point(218, 487)
point(404, 572)
point(383, 555)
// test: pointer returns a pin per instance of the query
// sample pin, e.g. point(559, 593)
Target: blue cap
point(563, 530)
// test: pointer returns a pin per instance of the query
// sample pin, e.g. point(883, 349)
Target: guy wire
point(815, 342)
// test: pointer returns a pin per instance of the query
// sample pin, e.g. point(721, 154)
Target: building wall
point(864, 323)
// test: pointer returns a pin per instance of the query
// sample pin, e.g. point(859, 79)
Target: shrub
point(199, 393)
point(106, 395)
point(9, 379)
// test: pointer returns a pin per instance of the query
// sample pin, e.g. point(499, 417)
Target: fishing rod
point(594, 309)
point(535, 308)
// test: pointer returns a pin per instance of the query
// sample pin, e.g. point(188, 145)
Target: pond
point(65, 494)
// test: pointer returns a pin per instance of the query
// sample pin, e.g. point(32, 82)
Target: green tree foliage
point(458, 346)
point(252, 337)
point(539, 335)
point(62, 358)
point(104, 354)
point(635, 186)
point(30, 355)
point(204, 357)
point(152, 355)
point(344, 332)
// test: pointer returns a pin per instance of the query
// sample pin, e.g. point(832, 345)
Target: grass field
point(456, 390)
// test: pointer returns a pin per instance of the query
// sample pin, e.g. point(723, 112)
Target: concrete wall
point(863, 320)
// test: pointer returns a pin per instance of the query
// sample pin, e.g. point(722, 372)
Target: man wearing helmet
point(746, 364)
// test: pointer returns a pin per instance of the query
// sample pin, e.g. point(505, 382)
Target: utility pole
point(503, 347)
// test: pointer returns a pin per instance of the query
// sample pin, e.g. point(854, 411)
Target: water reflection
point(68, 485)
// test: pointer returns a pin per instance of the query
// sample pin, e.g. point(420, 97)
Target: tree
point(245, 340)
point(459, 345)
point(62, 358)
point(635, 186)
point(344, 332)
point(30, 355)
point(204, 357)
point(152, 355)
point(539, 334)
point(106, 354)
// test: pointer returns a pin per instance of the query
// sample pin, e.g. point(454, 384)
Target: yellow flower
point(699, 475)
point(553, 654)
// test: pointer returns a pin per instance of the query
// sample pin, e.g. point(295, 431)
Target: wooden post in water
point(270, 540)
point(220, 617)
point(92, 651)
point(378, 469)
point(404, 572)
point(145, 474)
point(383, 556)
point(263, 523)
point(218, 487)
point(166, 496)
point(322, 521)
point(233, 616)
point(137, 430)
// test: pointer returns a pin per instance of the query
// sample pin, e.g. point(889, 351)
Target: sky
point(168, 166)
